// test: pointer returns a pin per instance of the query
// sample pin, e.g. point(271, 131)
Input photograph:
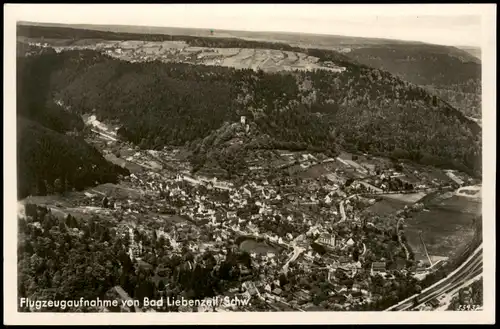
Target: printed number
point(468, 307)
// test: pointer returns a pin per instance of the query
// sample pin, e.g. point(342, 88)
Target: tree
point(62, 226)
point(58, 185)
point(161, 286)
point(105, 202)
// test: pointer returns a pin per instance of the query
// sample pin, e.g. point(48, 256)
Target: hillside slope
point(448, 72)
point(451, 73)
point(50, 162)
point(51, 157)
point(360, 108)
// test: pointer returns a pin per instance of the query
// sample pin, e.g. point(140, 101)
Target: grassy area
point(118, 191)
point(446, 227)
point(251, 245)
point(385, 207)
point(409, 198)
point(314, 171)
point(132, 167)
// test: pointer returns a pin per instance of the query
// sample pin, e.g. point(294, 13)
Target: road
point(296, 253)
point(342, 210)
point(469, 269)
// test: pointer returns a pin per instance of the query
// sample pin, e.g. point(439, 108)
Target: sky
point(457, 24)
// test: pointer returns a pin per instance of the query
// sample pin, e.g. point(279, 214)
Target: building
point(434, 303)
point(327, 240)
point(378, 267)
point(454, 178)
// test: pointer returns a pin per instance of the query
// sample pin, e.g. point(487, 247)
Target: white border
point(13, 13)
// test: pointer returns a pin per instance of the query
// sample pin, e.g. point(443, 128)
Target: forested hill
point(360, 109)
point(51, 162)
point(51, 157)
point(448, 72)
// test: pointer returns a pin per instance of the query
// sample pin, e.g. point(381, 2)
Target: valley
point(301, 179)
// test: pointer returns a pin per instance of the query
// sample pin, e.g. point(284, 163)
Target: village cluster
point(308, 229)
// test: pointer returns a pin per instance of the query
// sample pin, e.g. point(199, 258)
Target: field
point(407, 198)
point(446, 227)
point(269, 60)
point(250, 245)
point(132, 167)
point(385, 207)
point(118, 191)
point(314, 171)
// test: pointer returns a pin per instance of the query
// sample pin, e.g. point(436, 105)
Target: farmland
point(268, 60)
point(446, 227)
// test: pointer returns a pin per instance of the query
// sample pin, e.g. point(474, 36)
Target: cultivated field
point(268, 60)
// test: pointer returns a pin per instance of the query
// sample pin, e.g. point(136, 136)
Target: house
point(378, 267)
point(356, 287)
point(434, 303)
point(350, 242)
point(339, 299)
point(343, 260)
point(327, 240)
point(454, 178)
point(370, 167)
point(250, 287)
point(144, 264)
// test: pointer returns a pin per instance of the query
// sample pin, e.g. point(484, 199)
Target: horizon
point(446, 25)
point(83, 25)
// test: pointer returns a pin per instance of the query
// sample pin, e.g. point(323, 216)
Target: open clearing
point(385, 207)
point(446, 227)
point(250, 245)
point(269, 60)
point(407, 198)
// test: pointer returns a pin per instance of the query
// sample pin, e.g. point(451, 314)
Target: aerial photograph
point(208, 169)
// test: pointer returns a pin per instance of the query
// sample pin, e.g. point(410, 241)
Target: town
point(304, 219)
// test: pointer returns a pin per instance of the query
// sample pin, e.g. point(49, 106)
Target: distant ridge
point(260, 35)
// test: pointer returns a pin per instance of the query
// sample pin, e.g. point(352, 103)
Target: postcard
point(199, 163)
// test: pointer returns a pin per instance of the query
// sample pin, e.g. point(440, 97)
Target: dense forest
point(454, 75)
point(52, 155)
point(51, 162)
point(360, 109)
point(447, 72)
point(69, 258)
